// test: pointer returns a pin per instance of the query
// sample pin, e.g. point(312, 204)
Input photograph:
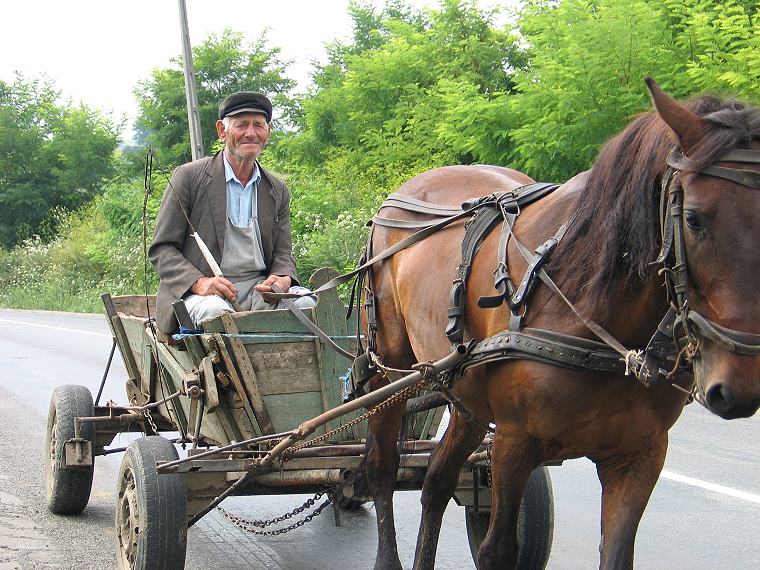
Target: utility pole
point(193, 117)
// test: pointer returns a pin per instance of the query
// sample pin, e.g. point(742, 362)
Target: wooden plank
point(237, 384)
point(275, 321)
point(148, 368)
point(288, 411)
point(209, 385)
point(220, 427)
point(330, 317)
point(239, 414)
point(221, 421)
point(171, 410)
point(135, 305)
point(117, 328)
point(426, 425)
point(284, 368)
point(250, 382)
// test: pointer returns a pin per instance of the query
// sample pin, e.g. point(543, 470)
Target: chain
point(489, 449)
point(253, 526)
point(154, 427)
point(385, 404)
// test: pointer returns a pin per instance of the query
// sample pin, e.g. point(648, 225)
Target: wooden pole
point(193, 116)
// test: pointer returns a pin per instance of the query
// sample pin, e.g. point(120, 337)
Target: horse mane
point(615, 233)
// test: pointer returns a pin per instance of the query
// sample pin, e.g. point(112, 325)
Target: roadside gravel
point(30, 536)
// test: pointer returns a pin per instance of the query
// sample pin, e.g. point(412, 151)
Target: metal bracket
point(77, 453)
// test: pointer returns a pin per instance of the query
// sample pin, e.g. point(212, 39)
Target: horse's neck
point(632, 309)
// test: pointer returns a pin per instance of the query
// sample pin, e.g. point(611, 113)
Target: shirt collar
point(229, 173)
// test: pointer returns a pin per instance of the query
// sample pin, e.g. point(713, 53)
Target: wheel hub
point(128, 518)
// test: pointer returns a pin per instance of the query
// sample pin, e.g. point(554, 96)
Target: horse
point(604, 263)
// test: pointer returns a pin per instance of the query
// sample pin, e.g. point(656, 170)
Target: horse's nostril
point(719, 399)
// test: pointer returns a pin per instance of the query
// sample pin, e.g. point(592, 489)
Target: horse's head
point(714, 203)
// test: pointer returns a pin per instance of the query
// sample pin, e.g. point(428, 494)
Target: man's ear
point(220, 132)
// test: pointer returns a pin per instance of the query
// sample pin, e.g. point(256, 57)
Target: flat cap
point(246, 102)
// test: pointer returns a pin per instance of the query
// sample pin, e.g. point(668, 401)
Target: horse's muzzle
point(724, 402)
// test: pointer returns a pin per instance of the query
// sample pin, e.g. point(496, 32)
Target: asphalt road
point(703, 513)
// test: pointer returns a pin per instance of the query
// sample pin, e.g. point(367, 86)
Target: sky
point(96, 51)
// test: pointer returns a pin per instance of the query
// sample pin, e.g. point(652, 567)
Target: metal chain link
point(489, 449)
point(390, 401)
point(146, 413)
point(253, 526)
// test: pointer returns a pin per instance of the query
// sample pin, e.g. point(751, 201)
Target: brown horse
point(604, 265)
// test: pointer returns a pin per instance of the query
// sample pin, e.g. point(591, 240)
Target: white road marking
point(743, 495)
point(55, 328)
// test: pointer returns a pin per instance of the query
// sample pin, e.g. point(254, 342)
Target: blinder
point(695, 325)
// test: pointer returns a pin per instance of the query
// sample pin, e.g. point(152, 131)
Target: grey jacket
point(200, 187)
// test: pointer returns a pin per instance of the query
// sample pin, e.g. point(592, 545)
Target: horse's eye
point(693, 220)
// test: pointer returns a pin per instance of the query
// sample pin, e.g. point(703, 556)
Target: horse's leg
point(382, 467)
point(627, 484)
point(513, 459)
point(441, 480)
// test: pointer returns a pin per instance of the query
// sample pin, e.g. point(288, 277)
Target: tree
point(52, 155)
point(405, 96)
point(223, 64)
point(588, 59)
point(411, 91)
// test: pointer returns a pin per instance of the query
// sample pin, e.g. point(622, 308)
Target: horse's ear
point(687, 126)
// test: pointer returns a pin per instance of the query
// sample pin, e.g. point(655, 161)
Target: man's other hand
point(283, 281)
point(218, 286)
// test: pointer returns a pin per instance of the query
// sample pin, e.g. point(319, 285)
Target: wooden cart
point(241, 397)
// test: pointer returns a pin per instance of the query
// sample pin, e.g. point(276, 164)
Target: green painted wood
point(229, 367)
point(426, 424)
point(270, 338)
point(128, 333)
point(330, 317)
point(230, 400)
point(220, 428)
point(276, 321)
point(288, 411)
point(285, 368)
point(248, 376)
point(148, 367)
point(170, 374)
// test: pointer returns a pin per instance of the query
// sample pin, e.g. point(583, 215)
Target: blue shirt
point(241, 201)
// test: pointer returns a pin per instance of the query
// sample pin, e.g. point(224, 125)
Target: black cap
point(246, 102)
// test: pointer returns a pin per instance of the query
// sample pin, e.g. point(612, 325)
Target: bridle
point(673, 253)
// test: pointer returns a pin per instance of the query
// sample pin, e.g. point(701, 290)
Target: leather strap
point(318, 332)
point(749, 178)
point(547, 347)
point(476, 229)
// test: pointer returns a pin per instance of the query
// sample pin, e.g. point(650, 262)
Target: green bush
point(98, 249)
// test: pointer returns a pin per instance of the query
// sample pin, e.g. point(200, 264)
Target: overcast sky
point(95, 51)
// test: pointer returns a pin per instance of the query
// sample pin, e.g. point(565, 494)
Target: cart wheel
point(535, 527)
point(67, 490)
point(151, 509)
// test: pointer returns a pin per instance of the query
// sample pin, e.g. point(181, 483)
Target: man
point(242, 213)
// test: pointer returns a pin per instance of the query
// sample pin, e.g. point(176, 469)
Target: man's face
point(245, 136)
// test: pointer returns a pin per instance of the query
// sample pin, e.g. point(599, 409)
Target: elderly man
point(241, 211)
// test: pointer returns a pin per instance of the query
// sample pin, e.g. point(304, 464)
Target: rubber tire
point(535, 525)
point(67, 490)
point(159, 502)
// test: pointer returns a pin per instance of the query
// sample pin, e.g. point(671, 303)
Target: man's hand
point(283, 281)
point(218, 286)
